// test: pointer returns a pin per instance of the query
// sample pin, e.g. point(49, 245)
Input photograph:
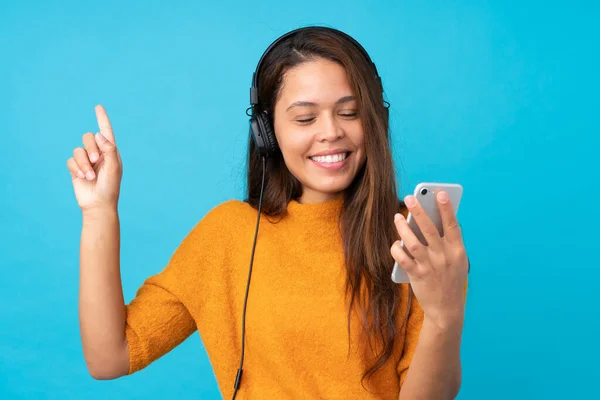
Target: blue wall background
point(500, 96)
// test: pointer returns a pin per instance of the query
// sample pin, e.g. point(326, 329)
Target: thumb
point(108, 148)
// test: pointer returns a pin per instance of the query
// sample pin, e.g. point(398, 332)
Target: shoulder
point(225, 215)
point(215, 230)
point(230, 210)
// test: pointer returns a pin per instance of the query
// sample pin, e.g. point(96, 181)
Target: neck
point(311, 197)
point(326, 211)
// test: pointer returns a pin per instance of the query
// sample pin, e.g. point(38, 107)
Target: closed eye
point(309, 120)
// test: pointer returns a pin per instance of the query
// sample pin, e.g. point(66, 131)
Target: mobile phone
point(426, 192)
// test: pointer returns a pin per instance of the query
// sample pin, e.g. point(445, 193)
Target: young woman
point(323, 318)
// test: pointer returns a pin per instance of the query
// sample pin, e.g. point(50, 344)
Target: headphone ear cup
point(257, 136)
point(268, 136)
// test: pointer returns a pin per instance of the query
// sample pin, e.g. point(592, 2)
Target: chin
point(330, 188)
point(328, 181)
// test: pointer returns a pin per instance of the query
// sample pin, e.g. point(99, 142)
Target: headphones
point(261, 128)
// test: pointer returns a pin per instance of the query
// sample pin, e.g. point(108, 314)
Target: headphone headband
point(254, 87)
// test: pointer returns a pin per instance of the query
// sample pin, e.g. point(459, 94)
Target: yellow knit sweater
point(296, 322)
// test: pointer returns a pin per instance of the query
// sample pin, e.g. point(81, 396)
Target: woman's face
point(318, 129)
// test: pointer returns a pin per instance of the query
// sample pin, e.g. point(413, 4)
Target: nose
point(330, 129)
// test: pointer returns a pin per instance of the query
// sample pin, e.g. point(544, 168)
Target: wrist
point(99, 213)
point(446, 321)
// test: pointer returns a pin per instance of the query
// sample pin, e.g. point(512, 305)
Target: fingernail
point(94, 157)
point(89, 175)
point(410, 201)
point(100, 137)
point(398, 217)
point(443, 197)
point(80, 174)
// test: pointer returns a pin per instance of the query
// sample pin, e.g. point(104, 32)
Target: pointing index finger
point(104, 123)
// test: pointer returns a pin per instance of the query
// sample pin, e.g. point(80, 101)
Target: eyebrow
point(345, 99)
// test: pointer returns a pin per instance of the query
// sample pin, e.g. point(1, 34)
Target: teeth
point(330, 158)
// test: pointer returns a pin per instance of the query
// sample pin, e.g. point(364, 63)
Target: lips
point(331, 152)
point(331, 162)
point(330, 158)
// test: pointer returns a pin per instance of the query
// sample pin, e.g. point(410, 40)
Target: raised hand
point(96, 168)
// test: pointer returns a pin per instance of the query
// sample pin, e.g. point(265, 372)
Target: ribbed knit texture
point(296, 323)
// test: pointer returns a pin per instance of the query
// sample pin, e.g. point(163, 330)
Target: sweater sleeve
point(158, 318)
point(157, 321)
point(413, 330)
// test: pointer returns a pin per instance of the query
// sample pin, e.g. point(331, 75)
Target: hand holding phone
point(426, 192)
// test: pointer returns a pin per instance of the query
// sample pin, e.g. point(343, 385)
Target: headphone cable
point(238, 377)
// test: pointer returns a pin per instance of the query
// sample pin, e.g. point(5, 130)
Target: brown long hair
point(371, 200)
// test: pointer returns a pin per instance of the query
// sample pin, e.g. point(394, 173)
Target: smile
point(331, 161)
point(332, 158)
